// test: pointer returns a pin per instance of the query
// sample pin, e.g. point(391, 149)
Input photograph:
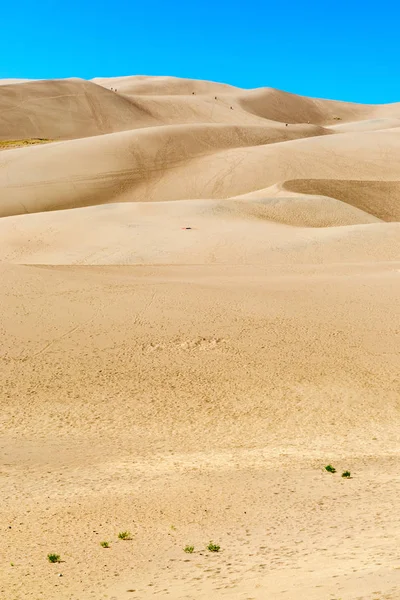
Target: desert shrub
point(330, 469)
point(213, 547)
point(53, 558)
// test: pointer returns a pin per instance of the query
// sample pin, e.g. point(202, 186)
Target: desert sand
point(199, 312)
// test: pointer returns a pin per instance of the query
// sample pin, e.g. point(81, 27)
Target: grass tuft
point(105, 544)
point(213, 547)
point(53, 558)
point(330, 469)
point(189, 549)
point(124, 535)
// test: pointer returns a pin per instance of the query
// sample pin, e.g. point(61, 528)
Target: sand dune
point(199, 312)
point(171, 163)
point(378, 198)
point(153, 233)
point(367, 125)
point(143, 165)
point(164, 86)
point(282, 106)
point(13, 81)
point(65, 109)
point(74, 108)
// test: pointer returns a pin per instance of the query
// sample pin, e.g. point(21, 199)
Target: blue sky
point(343, 50)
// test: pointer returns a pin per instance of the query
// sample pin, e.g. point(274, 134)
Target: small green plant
point(105, 544)
point(213, 547)
point(189, 549)
point(53, 558)
point(330, 469)
point(12, 564)
point(337, 118)
point(124, 535)
point(346, 474)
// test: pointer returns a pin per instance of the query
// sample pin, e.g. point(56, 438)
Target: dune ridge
point(162, 139)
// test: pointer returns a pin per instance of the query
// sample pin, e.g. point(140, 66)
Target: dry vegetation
point(10, 144)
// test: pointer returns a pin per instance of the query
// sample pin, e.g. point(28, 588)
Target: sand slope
point(75, 108)
point(65, 109)
point(230, 232)
point(187, 404)
point(282, 106)
point(164, 86)
point(199, 312)
point(169, 163)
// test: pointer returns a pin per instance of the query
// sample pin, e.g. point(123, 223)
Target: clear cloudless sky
point(346, 50)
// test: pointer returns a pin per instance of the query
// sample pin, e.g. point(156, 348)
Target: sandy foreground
point(199, 311)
